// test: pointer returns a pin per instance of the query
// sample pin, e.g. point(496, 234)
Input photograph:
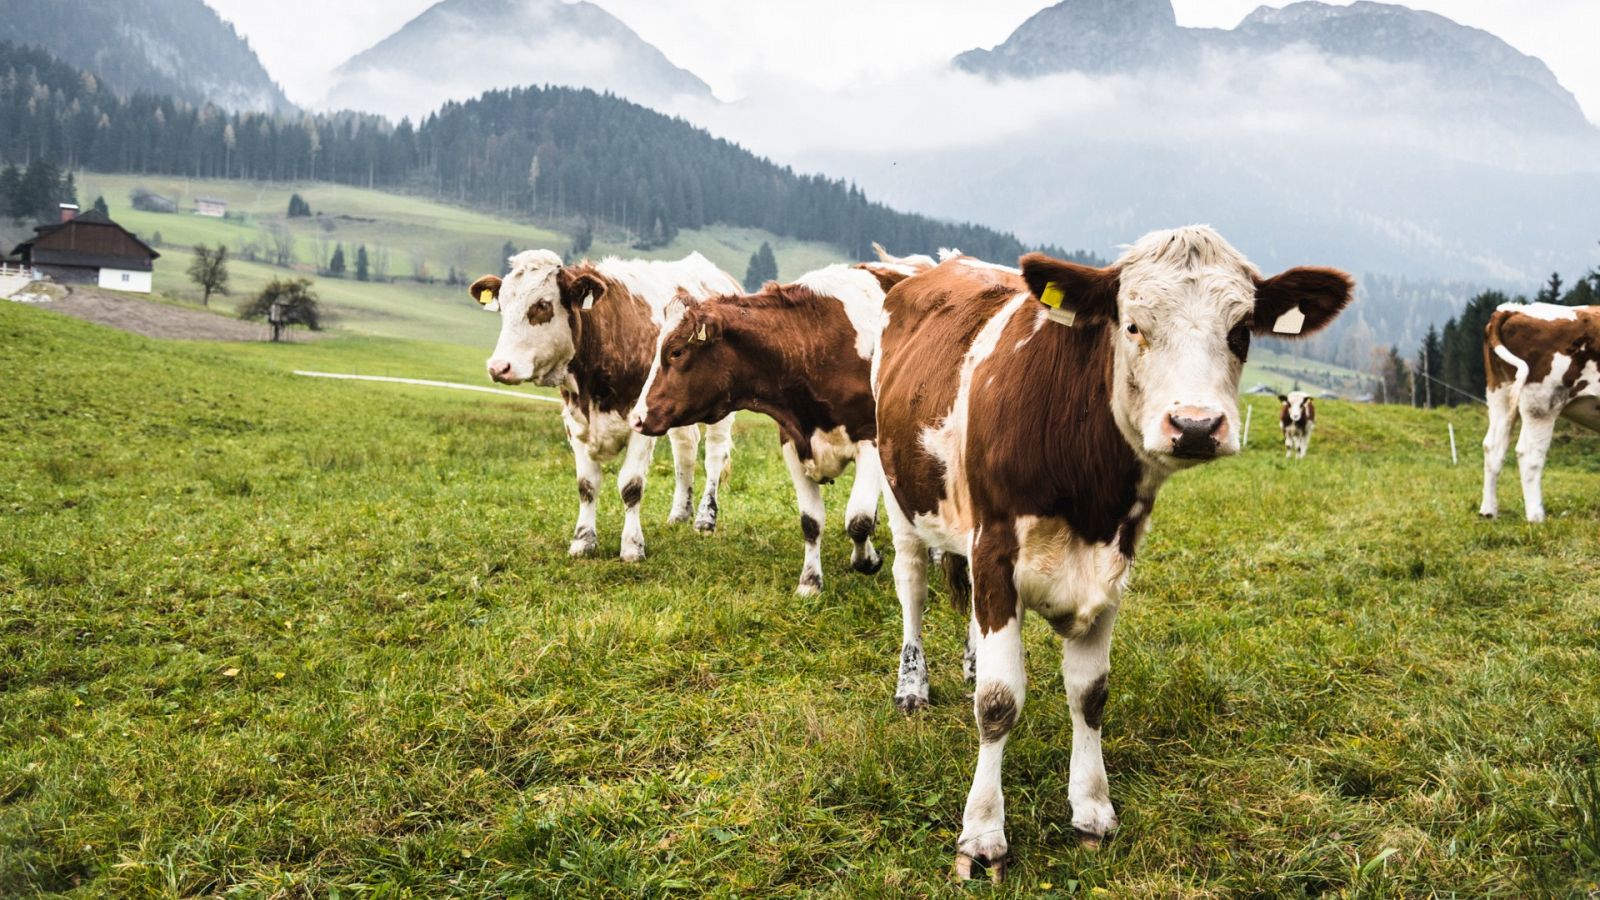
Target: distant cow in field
point(590, 329)
point(1542, 362)
point(800, 353)
point(1026, 420)
point(1298, 417)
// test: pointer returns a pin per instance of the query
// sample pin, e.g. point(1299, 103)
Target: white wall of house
point(124, 280)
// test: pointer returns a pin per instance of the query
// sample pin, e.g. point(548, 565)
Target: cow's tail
point(1500, 365)
point(958, 581)
point(917, 262)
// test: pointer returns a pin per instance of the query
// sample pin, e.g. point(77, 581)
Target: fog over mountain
point(1371, 136)
point(459, 49)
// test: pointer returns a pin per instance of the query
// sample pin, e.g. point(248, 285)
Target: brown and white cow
point(1026, 420)
point(800, 353)
point(591, 329)
point(1298, 417)
point(1543, 362)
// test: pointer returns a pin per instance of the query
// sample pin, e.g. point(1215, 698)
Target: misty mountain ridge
point(1109, 37)
point(459, 49)
point(180, 48)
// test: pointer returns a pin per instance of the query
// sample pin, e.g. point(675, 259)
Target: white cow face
point(537, 302)
point(1295, 406)
point(1180, 307)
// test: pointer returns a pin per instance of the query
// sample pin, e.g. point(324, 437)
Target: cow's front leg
point(630, 485)
point(911, 586)
point(997, 700)
point(685, 444)
point(583, 534)
point(861, 515)
point(808, 496)
point(1085, 662)
point(1305, 442)
point(1288, 445)
point(719, 453)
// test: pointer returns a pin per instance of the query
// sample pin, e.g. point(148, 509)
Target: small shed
point(211, 207)
point(90, 249)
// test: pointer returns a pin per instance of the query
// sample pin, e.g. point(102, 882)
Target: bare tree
point(322, 243)
point(209, 270)
point(419, 265)
point(281, 240)
point(380, 263)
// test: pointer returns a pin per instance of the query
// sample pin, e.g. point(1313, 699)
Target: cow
point(800, 353)
point(1542, 362)
point(590, 329)
point(1298, 417)
point(1026, 420)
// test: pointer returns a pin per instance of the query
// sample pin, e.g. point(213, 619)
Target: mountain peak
point(1081, 35)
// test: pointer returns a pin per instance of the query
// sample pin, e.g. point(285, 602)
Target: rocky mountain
point(459, 49)
point(180, 48)
point(1133, 36)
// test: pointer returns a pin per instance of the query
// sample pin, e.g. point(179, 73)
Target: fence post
point(1454, 460)
point(1249, 411)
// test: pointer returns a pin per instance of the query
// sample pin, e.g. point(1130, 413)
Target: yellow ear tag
point(701, 336)
point(485, 297)
point(1053, 297)
point(588, 301)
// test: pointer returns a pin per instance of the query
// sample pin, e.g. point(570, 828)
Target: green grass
point(436, 235)
point(265, 636)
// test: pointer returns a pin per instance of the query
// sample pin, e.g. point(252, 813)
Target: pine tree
point(1551, 293)
point(336, 265)
point(101, 207)
point(762, 269)
point(508, 251)
point(362, 270)
point(1430, 363)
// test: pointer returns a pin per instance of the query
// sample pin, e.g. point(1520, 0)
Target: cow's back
point(1533, 335)
point(931, 322)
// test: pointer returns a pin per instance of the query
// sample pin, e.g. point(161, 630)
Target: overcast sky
point(739, 45)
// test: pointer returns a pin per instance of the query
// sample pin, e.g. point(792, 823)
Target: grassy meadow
point(417, 235)
point(270, 636)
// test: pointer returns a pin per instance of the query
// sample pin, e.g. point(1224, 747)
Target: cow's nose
point(1196, 433)
point(637, 421)
point(499, 369)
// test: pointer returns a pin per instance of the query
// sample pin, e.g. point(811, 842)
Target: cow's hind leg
point(1533, 445)
point(630, 484)
point(861, 515)
point(583, 534)
point(997, 700)
point(685, 443)
point(1496, 441)
point(1085, 663)
point(911, 586)
point(719, 451)
point(808, 497)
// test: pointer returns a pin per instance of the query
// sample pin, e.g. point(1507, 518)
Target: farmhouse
point(89, 249)
point(210, 207)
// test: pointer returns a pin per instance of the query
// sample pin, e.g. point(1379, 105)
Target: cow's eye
point(1239, 341)
point(677, 353)
point(1133, 329)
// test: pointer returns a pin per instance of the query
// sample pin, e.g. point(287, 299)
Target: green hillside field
point(269, 636)
point(418, 235)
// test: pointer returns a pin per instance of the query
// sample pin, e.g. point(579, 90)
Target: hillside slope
point(177, 47)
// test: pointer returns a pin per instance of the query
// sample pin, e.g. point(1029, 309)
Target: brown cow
point(590, 329)
point(800, 353)
point(1298, 416)
point(1543, 362)
point(1026, 421)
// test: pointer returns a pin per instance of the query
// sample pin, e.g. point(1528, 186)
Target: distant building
point(148, 201)
point(89, 249)
point(211, 207)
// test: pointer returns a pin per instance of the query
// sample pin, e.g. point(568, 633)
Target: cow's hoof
point(1094, 821)
point(705, 525)
point(910, 703)
point(867, 565)
point(1487, 515)
point(1535, 518)
point(581, 548)
point(808, 589)
point(632, 553)
point(679, 517)
point(969, 868)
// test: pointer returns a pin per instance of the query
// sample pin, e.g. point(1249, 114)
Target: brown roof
point(91, 240)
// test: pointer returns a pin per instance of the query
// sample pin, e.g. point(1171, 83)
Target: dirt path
point(131, 312)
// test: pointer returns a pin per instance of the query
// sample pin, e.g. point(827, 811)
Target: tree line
point(555, 153)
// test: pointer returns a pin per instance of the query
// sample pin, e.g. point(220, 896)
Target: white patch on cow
point(1549, 312)
point(831, 451)
point(861, 295)
point(606, 434)
point(657, 282)
point(975, 263)
point(1063, 578)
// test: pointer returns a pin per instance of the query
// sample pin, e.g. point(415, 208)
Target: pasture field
point(268, 636)
point(416, 233)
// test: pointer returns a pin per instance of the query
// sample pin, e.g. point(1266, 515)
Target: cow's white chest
point(831, 451)
point(604, 434)
point(1064, 579)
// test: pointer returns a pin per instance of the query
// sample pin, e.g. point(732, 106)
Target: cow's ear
point(1084, 292)
point(888, 276)
point(1301, 301)
point(1283, 398)
point(705, 326)
point(486, 290)
point(580, 288)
